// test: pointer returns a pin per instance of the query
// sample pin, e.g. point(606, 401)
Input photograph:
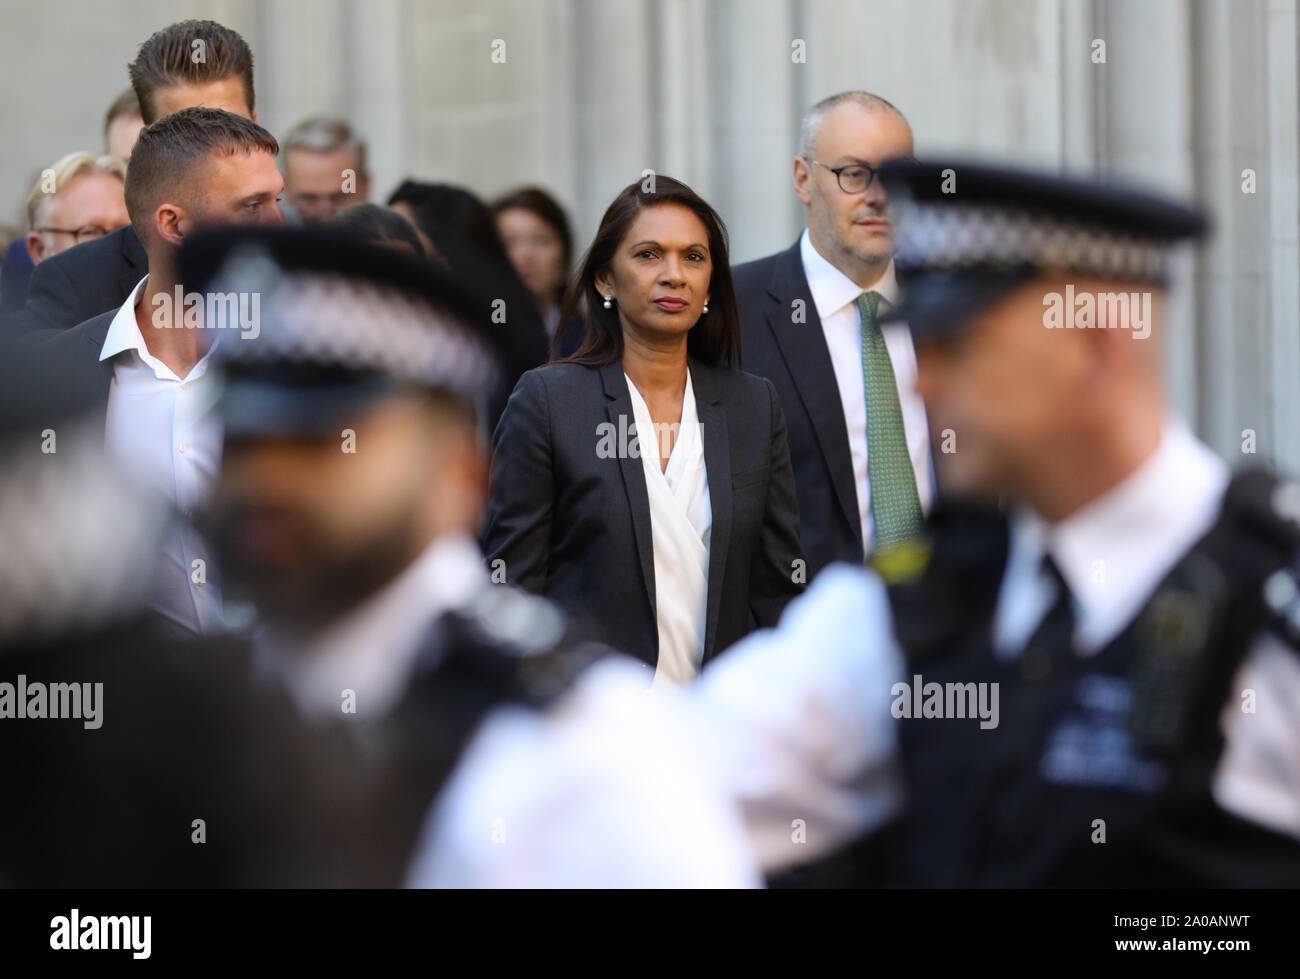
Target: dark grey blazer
point(575, 527)
point(57, 374)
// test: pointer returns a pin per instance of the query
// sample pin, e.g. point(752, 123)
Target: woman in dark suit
point(644, 483)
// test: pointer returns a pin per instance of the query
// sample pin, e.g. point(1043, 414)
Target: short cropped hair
point(125, 105)
point(170, 150)
point(814, 117)
point(170, 57)
point(321, 134)
point(72, 165)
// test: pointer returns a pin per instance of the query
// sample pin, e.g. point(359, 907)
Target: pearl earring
point(609, 301)
point(706, 307)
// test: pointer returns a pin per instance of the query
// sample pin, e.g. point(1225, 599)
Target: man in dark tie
point(858, 436)
point(167, 76)
point(1084, 673)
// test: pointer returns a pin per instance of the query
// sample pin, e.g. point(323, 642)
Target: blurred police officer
point(136, 760)
point(351, 492)
point(1094, 683)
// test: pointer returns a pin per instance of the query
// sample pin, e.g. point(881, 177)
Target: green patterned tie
point(895, 505)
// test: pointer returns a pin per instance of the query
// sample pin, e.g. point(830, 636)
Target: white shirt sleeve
point(1258, 777)
point(607, 791)
point(797, 720)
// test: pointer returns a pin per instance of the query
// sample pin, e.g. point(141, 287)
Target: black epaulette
point(1238, 581)
point(514, 643)
point(1265, 509)
point(504, 648)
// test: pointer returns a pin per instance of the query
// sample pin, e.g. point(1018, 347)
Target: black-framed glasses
point(87, 232)
point(853, 178)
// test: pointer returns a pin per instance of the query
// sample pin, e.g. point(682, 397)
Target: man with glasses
point(1086, 673)
point(78, 199)
point(810, 314)
point(122, 124)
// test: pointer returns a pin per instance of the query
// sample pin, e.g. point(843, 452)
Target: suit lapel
point(803, 347)
point(717, 463)
point(101, 376)
point(621, 416)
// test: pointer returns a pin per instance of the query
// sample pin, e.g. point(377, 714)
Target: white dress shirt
point(835, 296)
point(798, 718)
point(163, 432)
point(1115, 551)
point(681, 518)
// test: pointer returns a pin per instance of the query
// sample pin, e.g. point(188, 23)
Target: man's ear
point(35, 246)
point(169, 221)
point(253, 116)
point(802, 176)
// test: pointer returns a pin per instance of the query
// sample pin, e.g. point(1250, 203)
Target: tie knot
point(868, 303)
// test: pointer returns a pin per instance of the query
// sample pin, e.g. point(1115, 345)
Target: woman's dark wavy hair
point(448, 213)
point(714, 339)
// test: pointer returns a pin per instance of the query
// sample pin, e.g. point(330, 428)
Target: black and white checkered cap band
point(957, 237)
point(71, 559)
point(337, 320)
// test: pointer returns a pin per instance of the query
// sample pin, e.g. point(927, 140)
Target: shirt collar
point(124, 332)
point(832, 290)
point(1113, 552)
point(371, 650)
point(124, 336)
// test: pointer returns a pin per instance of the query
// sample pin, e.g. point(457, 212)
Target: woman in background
point(458, 229)
point(536, 234)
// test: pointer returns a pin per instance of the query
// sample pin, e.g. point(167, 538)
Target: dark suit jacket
point(50, 378)
point(794, 357)
point(56, 373)
point(79, 283)
point(192, 736)
point(15, 274)
point(576, 527)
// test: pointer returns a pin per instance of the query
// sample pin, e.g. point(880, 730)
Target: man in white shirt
point(143, 368)
point(1097, 687)
point(811, 318)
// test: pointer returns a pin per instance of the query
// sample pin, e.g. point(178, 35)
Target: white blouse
point(681, 518)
